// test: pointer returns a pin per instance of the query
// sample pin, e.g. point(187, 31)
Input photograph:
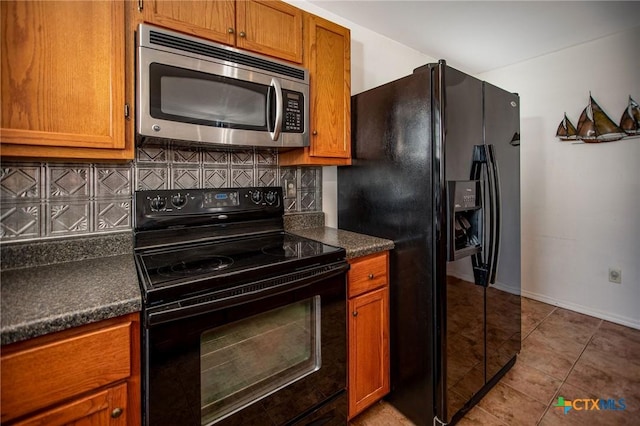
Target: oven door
point(270, 356)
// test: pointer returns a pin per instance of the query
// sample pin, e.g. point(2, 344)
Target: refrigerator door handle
point(480, 261)
point(496, 216)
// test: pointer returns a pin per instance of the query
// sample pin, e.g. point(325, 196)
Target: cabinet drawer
point(35, 376)
point(368, 273)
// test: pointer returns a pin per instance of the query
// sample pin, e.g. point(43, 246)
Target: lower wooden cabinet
point(102, 408)
point(87, 375)
point(368, 326)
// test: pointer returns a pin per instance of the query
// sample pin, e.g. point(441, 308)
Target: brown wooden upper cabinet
point(63, 80)
point(272, 28)
point(328, 58)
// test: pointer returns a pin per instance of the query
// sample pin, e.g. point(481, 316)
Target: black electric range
point(239, 317)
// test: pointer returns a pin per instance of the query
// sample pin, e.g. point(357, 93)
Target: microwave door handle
point(275, 134)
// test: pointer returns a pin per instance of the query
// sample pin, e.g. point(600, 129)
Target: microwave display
point(293, 118)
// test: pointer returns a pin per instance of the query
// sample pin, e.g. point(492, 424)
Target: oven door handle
point(269, 287)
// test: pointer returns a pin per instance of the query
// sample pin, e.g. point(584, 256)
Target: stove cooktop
point(189, 242)
point(178, 271)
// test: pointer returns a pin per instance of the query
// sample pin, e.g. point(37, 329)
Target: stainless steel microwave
point(190, 89)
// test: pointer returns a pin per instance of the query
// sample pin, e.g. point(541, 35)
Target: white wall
point(375, 60)
point(580, 202)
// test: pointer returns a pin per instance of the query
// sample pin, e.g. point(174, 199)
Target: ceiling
point(478, 36)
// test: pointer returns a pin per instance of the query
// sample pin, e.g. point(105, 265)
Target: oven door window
point(188, 96)
point(244, 361)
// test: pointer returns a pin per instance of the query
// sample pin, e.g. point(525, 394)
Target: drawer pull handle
point(117, 412)
point(371, 276)
point(355, 313)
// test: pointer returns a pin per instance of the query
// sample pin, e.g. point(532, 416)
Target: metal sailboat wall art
point(630, 120)
point(595, 126)
point(566, 130)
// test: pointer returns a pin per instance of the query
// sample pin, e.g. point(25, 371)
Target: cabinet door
point(368, 349)
point(330, 68)
point(271, 28)
point(213, 20)
point(45, 371)
point(62, 80)
point(99, 409)
point(328, 57)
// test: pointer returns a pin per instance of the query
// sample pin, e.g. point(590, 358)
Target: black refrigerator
point(436, 169)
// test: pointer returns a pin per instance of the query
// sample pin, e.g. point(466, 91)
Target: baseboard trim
point(608, 316)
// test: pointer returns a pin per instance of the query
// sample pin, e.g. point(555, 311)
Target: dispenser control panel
point(466, 195)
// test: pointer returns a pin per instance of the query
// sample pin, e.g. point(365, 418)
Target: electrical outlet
point(615, 275)
point(290, 189)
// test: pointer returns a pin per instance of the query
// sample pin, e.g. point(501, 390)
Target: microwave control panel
point(293, 111)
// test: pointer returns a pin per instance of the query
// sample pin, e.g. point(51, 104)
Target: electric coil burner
point(243, 323)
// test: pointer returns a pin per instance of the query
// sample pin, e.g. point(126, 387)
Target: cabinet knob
point(371, 276)
point(315, 132)
point(230, 30)
point(242, 34)
point(117, 412)
point(355, 313)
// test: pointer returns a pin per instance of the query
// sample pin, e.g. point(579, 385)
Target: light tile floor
point(565, 354)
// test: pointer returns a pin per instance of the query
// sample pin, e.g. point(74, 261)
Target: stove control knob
point(256, 196)
point(271, 197)
point(158, 203)
point(179, 200)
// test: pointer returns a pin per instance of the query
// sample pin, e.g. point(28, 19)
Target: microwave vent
point(221, 53)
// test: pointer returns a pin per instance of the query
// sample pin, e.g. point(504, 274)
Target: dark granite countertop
point(50, 286)
point(355, 244)
point(41, 299)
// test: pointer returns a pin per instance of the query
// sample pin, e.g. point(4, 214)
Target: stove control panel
point(264, 197)
point(219, 199)
point(180, 207)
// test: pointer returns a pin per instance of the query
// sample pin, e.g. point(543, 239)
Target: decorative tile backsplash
point(42, 200)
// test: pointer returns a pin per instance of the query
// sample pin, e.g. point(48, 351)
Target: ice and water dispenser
point(465, 218)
